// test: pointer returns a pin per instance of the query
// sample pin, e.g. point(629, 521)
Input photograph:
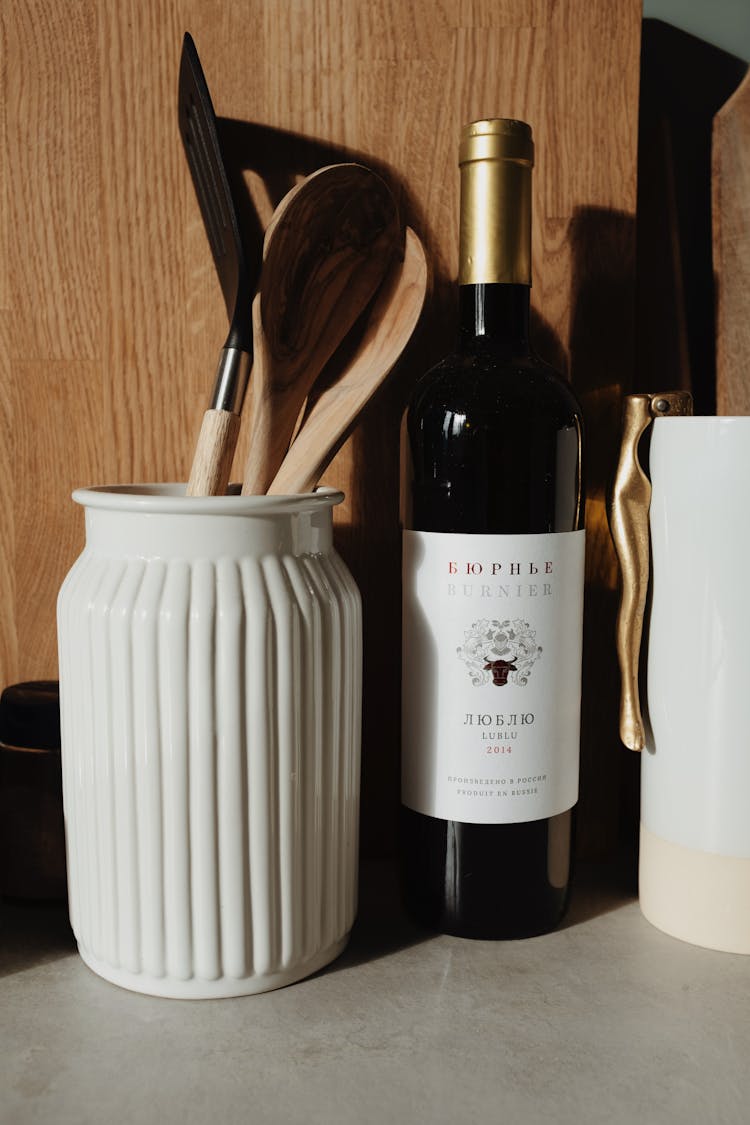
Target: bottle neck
point(494, 318)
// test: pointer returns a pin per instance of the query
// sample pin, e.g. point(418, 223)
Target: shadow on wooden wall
point(601, 365)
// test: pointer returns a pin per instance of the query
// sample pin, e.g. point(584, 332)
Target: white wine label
point(491, 682)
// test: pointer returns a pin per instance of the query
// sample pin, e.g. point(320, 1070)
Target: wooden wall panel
point(68, 436)
point(731, 249)
point(4, 186)
point(53, 186)
point(588, 120)
point(112, 318)
point(145, 353)
point(8, 633)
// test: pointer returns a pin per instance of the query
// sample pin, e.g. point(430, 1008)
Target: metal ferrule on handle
point(232, 377)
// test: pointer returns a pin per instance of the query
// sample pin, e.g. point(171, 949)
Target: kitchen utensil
point(331, 414)
point(325, 254)
point(212, 460)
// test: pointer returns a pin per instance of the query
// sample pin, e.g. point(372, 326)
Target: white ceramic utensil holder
point(210, 691)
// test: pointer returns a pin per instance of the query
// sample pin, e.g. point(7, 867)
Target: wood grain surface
point(731, 245)
point(111, 316)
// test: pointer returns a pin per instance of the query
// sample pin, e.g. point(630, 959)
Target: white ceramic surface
point(210, 690)
point(695, 797)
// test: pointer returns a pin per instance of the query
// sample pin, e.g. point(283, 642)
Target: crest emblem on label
point(499, 651)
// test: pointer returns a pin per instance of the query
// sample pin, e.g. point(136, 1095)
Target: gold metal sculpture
point(628, 521)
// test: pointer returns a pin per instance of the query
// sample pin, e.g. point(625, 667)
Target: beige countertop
point(606, 1020)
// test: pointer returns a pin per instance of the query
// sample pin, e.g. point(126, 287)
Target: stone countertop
point(606, 1020)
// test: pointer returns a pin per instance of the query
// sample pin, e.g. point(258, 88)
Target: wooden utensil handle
point(272, 421)
point(270, 434)
point(212, 463)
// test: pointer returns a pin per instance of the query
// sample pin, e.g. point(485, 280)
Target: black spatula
point(214, 451)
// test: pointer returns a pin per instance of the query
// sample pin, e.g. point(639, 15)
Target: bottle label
point(491, 683)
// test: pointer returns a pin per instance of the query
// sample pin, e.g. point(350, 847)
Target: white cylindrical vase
point(210, 692)
point(694, 870)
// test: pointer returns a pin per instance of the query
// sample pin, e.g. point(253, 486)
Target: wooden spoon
point(326, 252)
point(334, 413)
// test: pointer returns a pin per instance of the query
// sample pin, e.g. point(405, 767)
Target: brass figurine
point(628, 521)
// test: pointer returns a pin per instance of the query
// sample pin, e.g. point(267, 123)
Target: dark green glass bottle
point(493, 586)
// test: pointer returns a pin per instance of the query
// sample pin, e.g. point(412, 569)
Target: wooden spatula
point(212, 460)
point(326, 253)
point(331, 415)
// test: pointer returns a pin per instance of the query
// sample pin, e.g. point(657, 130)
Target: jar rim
point(714, 420)
point(171, 498)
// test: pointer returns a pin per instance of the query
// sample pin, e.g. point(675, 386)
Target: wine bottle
point(493, 561)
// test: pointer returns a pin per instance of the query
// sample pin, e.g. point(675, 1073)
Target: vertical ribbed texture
point(311, 687)
point(204, 836)
point(210, 716)
point(231, 771)
point(172, 640)
point(148, 755)
point(282, 667)
point(123, 733)
point(261, 770)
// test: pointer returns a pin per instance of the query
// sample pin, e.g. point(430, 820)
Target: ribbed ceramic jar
point(210, 692)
